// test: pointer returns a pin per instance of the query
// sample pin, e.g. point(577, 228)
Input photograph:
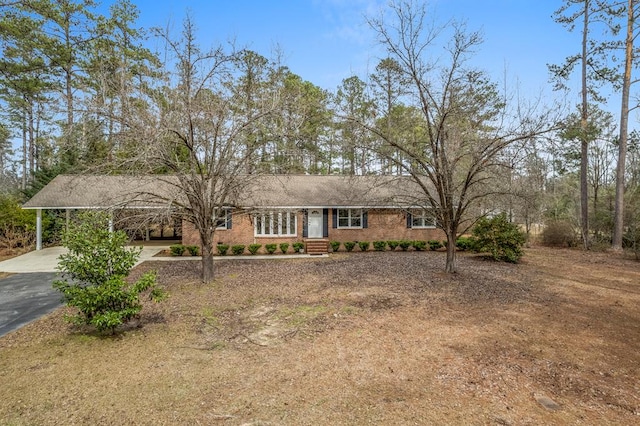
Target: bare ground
point(380, 338)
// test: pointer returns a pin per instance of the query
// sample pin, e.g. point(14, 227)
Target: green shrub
point(237, 249)
point(379, 245)
point(298, 247)
point(419, 245)
point(364, 245)
point(177, 249)
point(349, 245)
point(11, 214)
point(631, 241)
point(335, 245)
point(270, 248)
point(559, 233)
point(193, 250)
point(94, 272)
point(434, 245)
point(404, 245)
point(253, 248)
point(222, 249)
point(393, 244)
point(17, 226)
point(465, 243)
point(497, 236)
point(631, 238)
point(284, 247)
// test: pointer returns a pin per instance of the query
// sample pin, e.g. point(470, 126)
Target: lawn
point(380, 338)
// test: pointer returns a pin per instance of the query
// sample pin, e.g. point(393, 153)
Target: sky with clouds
point(325, 41)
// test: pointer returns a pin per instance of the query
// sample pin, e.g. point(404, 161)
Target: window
point(224, 221)
point(350, 218)
point(276, 224)
point(422, 218)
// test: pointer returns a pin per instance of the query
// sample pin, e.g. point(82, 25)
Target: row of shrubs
point(238, 249)
point(496, 236)
point(180, 249)
point(462, 243)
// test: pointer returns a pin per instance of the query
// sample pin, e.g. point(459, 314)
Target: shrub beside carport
point(94, 272)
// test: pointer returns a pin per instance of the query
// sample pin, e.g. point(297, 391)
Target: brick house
point(316, 209)
point(322, 224)
point(313, 209)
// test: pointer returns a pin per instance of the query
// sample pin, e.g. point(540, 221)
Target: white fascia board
point(93, 207)
point(324, 207)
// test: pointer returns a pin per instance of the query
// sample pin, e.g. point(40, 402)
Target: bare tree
point(466, 119)
point(203, 138)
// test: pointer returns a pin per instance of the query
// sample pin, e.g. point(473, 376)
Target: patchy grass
point(300, 316)
point(383, 338)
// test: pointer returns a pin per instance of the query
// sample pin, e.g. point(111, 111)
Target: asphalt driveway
point(26, 297)
point(27, 294)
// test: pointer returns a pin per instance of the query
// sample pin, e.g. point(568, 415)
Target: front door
point(315, 223)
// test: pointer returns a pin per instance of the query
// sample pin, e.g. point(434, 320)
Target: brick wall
point(383, 224)
point(241, 232)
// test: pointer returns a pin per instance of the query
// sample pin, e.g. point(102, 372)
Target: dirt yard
point(361, 338)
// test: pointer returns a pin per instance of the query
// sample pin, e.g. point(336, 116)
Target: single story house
point(314, 209)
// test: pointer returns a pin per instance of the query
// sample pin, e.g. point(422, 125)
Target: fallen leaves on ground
point(382, 338)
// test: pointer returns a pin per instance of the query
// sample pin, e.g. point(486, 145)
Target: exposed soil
point(6, 253)
point(380, 338)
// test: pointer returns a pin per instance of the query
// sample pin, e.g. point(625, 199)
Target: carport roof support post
point(38, 229)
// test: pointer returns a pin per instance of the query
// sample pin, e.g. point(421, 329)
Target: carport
point(103, 192)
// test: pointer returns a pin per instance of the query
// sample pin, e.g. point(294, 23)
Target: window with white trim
point(276, 224)
point(224, 222)
point(422, 218)
point(350, 218)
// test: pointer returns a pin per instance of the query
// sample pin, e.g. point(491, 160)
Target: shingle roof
point(323, 191)
point(106, 191)
point(98, 191)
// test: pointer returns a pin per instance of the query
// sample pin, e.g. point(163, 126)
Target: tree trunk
point(37, 138)
point(32, 142)
point(68, 69)
point(584, 143)
point(451, 265)
point(25, 152)
point(618, 228)
point(207, 264)
point(584, 193)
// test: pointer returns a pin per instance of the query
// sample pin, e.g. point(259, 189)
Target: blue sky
point(325, 41)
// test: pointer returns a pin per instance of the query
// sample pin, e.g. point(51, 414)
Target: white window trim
point(224, 220)
point(349, 217)
point(423, 215)
point(275, 223)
